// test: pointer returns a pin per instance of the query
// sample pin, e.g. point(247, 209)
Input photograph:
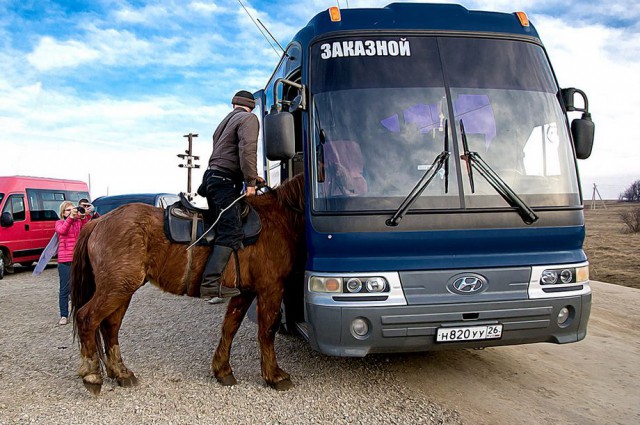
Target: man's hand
point(251, 190)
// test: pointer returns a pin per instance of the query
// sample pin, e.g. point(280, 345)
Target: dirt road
point(595, 381)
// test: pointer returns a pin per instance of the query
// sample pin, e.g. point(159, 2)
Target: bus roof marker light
point(334, 14)
point(522, 17)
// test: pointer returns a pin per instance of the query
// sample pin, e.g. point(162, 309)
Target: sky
point(103, 91)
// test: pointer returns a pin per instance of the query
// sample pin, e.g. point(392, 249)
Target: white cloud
point(51, 54)
point(126, 145)
point(148, 15)
point(206, 7)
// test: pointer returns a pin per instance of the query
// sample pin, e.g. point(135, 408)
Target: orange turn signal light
point(332, 285)
point(334, 14)
point(522, 17)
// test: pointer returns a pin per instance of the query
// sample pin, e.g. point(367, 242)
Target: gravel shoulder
point(168, 342)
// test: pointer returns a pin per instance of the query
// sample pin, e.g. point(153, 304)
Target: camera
point(80, 209)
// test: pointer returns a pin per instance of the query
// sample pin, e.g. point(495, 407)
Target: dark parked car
point(104, 204)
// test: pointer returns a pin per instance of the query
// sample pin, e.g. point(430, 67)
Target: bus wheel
point(1, 265)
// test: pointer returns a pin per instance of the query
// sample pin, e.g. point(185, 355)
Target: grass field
point(614, 252)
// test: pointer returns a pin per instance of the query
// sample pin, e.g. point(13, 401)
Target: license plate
point(469, 333)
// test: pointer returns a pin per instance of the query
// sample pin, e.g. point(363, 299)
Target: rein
point(216, 222)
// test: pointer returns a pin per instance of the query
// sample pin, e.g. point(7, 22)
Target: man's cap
point(244, 98)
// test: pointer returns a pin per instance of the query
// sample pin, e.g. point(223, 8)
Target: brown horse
point(117, 254)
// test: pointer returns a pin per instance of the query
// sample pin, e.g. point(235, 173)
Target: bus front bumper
point(333, 330)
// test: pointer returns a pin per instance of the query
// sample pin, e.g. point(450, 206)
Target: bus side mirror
point(6, 220)
point(582, 129)
point(279, 135)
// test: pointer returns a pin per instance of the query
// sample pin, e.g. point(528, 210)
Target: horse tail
point(83, 283)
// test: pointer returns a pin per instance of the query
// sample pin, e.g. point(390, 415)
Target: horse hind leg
point(89, 370)
point(116, 369)
point(268, 323)
point(89, 321)
point(236, 311)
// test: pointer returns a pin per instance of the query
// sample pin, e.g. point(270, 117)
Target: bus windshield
point(380, 113)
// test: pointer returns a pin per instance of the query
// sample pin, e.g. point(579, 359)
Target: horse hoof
point(227, 381)
point(283, 385)
point(128, 382)
point(93, 388)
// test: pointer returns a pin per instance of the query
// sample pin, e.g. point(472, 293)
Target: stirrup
point(218, 290)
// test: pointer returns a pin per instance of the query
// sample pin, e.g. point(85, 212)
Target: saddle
point(184, 223)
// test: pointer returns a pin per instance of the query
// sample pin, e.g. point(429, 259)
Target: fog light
point(354, 285)
point(563, 315)
point(549, 277)
point(359, 327)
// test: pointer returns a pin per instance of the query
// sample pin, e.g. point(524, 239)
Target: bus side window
point(44, 203)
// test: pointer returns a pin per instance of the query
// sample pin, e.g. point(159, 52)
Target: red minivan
point(29, 209)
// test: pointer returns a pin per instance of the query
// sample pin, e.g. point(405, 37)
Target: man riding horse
point(232, 164)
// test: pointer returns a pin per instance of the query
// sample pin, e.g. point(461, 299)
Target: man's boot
point(211, 285)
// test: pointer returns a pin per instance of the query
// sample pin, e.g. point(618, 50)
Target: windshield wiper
point(427, 177)
point(475, 161)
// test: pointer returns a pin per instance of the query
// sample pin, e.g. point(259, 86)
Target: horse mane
point(290, 194)
point(288, 199)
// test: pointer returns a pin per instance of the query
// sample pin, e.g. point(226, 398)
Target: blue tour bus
point(443, 205)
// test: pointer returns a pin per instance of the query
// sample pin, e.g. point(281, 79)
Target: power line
point(259, 29)
point(269, 32)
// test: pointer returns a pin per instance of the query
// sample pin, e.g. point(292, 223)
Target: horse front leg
point(236, 311)
point(268, 323)
point(110, 328)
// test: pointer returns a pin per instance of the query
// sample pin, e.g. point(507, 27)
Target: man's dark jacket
point(234, 146)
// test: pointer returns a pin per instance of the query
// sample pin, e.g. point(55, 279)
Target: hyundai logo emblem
point(468, 284)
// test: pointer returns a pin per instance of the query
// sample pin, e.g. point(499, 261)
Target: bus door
point(15, 227)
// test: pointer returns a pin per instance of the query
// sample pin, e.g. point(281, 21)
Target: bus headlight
point(325, 284)
point(354, 285)
point(549, 277)
point(565, 275)
point(376, 284)
point(349, 284)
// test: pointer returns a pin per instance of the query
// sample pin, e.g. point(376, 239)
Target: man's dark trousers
point(222, 190)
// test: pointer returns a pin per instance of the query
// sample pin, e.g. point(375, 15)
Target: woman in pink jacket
point(68, 230)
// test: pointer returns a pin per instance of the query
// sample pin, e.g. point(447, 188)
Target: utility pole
point(593, 198)
point(188, 155)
